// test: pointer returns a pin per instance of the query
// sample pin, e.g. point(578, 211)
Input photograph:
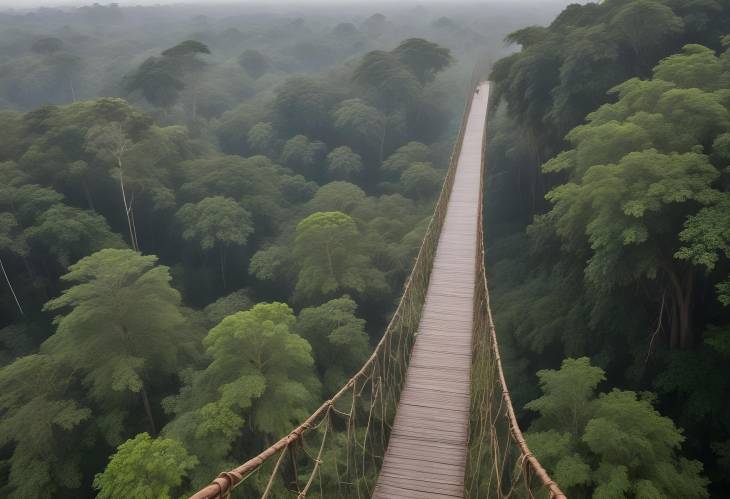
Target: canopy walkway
point(429, 414)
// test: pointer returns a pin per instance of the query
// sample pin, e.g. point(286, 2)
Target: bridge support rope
point(339, 450)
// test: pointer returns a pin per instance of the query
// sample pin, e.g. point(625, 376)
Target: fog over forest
point(209, 212)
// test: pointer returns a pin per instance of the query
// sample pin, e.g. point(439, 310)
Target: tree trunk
point(132, 238)
point(382, 142)
point(148, 411)
point(686, 336)
point(12, 290)
point(87, 193)
point(223, 266)
point(681, 335)
point(673, 326)
point(71, 87)
point(143, 390)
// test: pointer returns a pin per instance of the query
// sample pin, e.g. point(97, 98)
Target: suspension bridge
point(429, 414)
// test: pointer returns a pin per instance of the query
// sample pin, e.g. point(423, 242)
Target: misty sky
point(30, 4)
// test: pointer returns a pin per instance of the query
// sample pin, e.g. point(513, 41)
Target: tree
point(638, 176)
point(158, 82)
point(47, 46)
point(337, 196)
point(329, 249)
point(70, 234)
point(421, 181)
point(145, 467)
point(187, 67)
point(43, 423)
point(161, 79)
point(262, 139)
point(338, 339)
point(425, 59)
point(695, 67)
point(615, 445)
point(254, 182)
point(216, 222)
point(645, 26)
point(188, 48)
point(343, 163)
point(391, 84)
point(618, 206)
point(404, 157)
point(303, 105)
point(237, 301)
point(111, 142)
point(254, 62)
point(260, 376)
point(707, 239)
point(7, 242)
point(304, 156)
point(361, 126)
point(698, 378)
point(122, 330)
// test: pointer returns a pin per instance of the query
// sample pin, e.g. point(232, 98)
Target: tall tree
point(613, 445)
point(338, 339)
point(111, 142)
point(254, 62)
point(260, 377)
point(362, 127)
point(343, 164)
point(41, 426)
point(123, 328)
point(70, 234)
point(216, 222)
point(331, 256)
point(425, 59)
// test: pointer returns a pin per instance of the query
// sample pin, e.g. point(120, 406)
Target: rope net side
point(339, 449)
point(499, 462)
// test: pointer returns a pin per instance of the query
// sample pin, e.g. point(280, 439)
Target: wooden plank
point(426, 455)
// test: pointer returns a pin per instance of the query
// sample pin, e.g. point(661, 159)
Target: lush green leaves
point(613, 445)
point(338, 338)
point(215, 221)
point(329, 250)
point(146, 468)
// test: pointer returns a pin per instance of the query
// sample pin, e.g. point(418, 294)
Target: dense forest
point(206, 218)
point(207, 215)
point(608, 237)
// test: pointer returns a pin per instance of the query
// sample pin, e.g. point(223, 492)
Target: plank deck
point(426, 453)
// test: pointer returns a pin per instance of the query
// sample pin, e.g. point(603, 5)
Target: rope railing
point(506, 467)
point(338, 450)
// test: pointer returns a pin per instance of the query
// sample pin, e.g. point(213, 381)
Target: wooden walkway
point(426, 453)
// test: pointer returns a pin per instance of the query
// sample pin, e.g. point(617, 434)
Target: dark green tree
point(123, 329)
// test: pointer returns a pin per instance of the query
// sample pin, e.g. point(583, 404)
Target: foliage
point(637, 176)
point(421, 181)
point(343, 163)
point(613, 445)
point(69, 234)
point(425, 59)
point(304, 156)
point(42, 422)
point(260, 376)
point(254, 62)
point(214, 221)
point(162, 462)
point(331, 257)
point(161, 79)
point(142, 332)
point(338, 339)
